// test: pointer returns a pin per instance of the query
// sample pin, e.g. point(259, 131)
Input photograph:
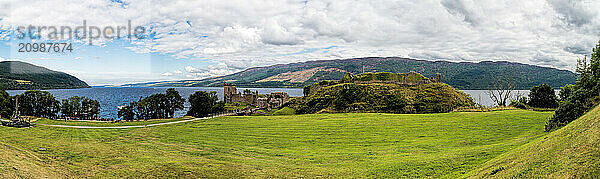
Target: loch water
point(112, 97)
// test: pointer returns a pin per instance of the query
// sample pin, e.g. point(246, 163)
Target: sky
point(197, 39)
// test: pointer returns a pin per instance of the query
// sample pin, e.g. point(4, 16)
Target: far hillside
point(21, 75)
point(464, 75)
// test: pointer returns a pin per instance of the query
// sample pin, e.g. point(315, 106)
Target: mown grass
point(570, 152)
point(106, 124)
point(316, 145)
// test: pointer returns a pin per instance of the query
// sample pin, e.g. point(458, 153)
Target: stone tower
point(229, 91)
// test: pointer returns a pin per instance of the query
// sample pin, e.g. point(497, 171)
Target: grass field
point(570, 152)
point(105, 124)
point(319, 145)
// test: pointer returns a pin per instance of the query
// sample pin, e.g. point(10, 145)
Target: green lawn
point(572, 151)
point(107, 124)
point(316, 145)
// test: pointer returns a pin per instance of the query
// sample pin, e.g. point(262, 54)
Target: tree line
point(44, 104)
point(157, 106)
point(160, 106)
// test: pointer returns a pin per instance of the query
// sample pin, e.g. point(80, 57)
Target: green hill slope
point(464, 75)
point(570, 152)
point(381, 92)
point(18, 163)
point(21, 75)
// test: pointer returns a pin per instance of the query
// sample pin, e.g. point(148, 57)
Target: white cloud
point(237, 34)
point(191, 69)
point(209, 71)
point(167, 74)
point(177, 72)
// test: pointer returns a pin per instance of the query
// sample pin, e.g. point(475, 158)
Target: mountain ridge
point(17, 75)
point(462, 75)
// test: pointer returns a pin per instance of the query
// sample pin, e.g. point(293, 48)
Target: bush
point(365, 77)
point(518, 104)
point(348, 77)
point(385, 76)
point(542, 96)
point(306, 90)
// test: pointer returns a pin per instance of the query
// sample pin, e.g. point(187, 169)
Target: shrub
point(306, 90)
point(348, 77)
point(518, 104)
point(365, 77)
point(542, 96)
point(384, 76)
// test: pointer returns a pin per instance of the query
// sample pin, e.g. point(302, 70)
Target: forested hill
point(464, 75)
point(21, 75)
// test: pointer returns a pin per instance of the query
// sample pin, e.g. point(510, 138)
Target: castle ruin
point(262, 101)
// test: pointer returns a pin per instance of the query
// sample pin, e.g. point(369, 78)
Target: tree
point(501, 90)
point(174, 102)
point(38, 103)
point(127, 112)
point(157, 106)
point(80, 107)
point(90, 107)
point(566, 91)
point(71, 107)
point(542, 96)
point(203, 103)
point(6, 106)
point(583, 96)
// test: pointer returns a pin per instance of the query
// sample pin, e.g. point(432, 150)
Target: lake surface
point(111, 98)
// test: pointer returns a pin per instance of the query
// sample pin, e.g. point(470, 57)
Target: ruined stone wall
point(269, 101)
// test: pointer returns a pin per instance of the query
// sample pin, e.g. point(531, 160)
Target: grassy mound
point(570, 152)
point(352, 145)
point(284, 111)
point(382, 97)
